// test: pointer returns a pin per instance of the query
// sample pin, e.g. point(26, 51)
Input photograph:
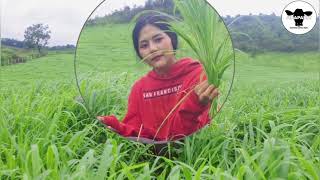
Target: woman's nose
point(153, 47)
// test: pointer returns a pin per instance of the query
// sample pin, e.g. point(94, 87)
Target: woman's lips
point(157, 58)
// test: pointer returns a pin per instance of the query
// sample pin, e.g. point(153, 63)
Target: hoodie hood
point(180, 68)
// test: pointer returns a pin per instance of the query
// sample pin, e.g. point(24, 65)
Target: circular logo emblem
point(299, 17)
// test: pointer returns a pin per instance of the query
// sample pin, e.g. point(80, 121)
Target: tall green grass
point(262, 133)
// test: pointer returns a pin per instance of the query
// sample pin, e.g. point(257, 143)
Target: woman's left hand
point(101, 119)
point(206, 92)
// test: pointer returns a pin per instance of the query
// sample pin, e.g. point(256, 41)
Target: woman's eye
point(142, 46)
point(158, 39)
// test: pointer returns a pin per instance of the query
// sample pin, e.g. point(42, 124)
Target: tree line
point(126, 14)
point(263, 33)
point(21, 44)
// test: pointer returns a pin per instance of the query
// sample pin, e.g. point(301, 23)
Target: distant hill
point(12, 42)
point(264, 33)
point(20, 44)
point(62, 48)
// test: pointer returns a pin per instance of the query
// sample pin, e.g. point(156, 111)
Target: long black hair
point(157, 20)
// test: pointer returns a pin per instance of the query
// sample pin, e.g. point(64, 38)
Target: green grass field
point(269, 127)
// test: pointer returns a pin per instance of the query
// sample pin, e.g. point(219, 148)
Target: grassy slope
point(52, 67)
point(270, 121)
point(9, 51)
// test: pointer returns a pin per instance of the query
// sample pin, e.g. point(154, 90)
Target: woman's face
point(156, 47)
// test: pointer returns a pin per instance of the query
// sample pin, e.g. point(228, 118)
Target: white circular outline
point(294, 2)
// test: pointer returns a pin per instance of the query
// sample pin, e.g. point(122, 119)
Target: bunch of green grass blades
point(203, 30)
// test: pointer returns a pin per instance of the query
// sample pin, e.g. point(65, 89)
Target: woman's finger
point(214, 93)
point(208, 91)
point(202, 87)
point(100, 118)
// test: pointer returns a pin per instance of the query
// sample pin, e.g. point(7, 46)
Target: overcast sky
point(66, 17)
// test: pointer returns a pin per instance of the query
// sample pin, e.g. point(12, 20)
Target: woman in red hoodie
point(172, 100)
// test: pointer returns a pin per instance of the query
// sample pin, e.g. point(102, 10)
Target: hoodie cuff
point(113, 122)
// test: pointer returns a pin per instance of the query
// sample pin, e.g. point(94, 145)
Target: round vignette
point(153, 141)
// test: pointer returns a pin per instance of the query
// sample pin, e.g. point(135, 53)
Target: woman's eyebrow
point(142, 41)
point(157, 35)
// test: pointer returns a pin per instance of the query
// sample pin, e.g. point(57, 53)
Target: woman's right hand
point(100, 118)
point(206, 93)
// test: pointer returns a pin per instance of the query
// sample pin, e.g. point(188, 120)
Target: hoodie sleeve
point(191, 115)
point(131, 123)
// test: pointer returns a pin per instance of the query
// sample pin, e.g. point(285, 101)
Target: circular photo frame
point(178, 59)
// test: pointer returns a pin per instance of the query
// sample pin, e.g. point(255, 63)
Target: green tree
point(37, 36)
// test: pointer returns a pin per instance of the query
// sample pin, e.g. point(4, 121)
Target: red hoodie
point(153, 97)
